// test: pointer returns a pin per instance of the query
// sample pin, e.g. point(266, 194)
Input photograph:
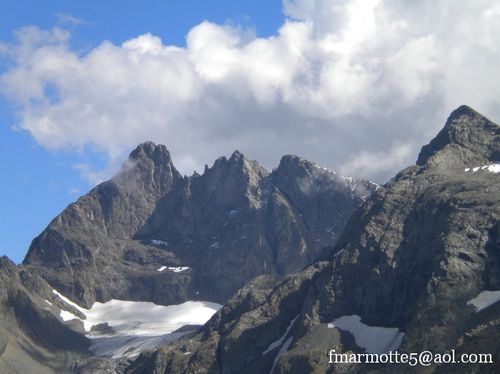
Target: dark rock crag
point(411, 257)
point(234, 222)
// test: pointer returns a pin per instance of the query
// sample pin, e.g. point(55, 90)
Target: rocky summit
point(150, 234)
point(417, 268)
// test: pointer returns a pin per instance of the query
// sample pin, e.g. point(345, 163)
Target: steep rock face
point(32, 339)
point(412, 257)
point(234, 222)
point(86, 251)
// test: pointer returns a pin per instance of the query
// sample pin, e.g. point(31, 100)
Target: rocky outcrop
point(32, 339)
point(234, 222)
point(411, 258)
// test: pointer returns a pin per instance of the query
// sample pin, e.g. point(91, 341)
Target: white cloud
point(366, 163)
point(356, 85)
point(68, 19)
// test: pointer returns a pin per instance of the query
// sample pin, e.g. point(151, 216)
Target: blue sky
point(38, 183)
point(355, 85)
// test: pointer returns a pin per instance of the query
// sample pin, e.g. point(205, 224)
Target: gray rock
point(411, 257)
point(32, 339)
point(229, 225)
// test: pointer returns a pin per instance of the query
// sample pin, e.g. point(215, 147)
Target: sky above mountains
point(357, 86)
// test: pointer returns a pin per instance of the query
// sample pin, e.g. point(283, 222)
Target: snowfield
point(133, 326)
point(372, 338)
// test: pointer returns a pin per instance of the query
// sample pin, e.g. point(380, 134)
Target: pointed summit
point(151, 163)
point(467, 138)
point(158, 153)
point(236, 164)
point(237, 156)
point(293, 164)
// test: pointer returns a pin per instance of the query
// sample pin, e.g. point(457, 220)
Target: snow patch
point(178, 269)
point(279, 342)
point(372, 338)
point(492, 168)
point(484, 300)
point(158, 242)
point(68, 301)
point(175, 269)
point(215, 245)
point(339, 253)
point(48, 302)
point(67, 316)
point(283, 350)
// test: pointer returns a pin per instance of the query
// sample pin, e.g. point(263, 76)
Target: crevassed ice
point(484, 300)
point(373, 339)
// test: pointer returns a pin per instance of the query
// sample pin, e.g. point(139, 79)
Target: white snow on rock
point(175, 269)
point(137, 325)
point(279, 342)
point(66, 300)
point(159, 242)
point(178, 269)
point(67, 316)
point(492, 168)
point(215, 245)
point(48, 302)
point(484, 300)
point(372, 338)
point(283, 349)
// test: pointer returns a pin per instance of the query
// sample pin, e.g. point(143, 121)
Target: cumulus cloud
point(355, 85)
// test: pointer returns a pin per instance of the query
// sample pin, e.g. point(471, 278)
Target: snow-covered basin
point(373, 339)
point(137, 325)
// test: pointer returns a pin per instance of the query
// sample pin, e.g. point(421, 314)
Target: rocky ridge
point(410, 261)
point(234, 222)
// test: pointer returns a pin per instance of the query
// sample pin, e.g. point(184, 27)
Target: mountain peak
point(467, 138)
point(158, 153)
point(463, 110)
point(291, 161)
point(237, 156)
point(148, 164)
point(236, 163)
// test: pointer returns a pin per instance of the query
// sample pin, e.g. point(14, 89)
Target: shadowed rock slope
point(412, 257)
point(234, 222)
point(32, 339)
